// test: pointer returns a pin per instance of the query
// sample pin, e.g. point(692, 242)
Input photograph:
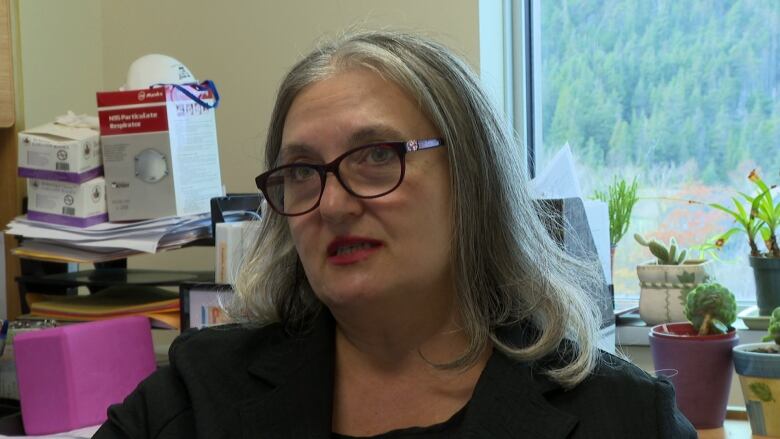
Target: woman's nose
point(336, 203)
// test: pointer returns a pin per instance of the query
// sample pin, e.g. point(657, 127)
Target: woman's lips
point(351, 249)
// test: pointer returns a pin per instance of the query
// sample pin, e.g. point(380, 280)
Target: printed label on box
point(72, 204)
point(58, 152)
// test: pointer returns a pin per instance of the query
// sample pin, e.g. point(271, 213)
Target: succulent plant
point(773, 333)
point(711, 308)
point(671, 255)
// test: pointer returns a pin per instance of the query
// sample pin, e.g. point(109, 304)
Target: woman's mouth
point(349, 250)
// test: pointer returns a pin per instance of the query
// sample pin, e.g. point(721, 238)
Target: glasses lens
point(294, 189)
point(371, 170)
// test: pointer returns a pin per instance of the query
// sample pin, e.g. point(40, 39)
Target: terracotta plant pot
point(767, 275)
point(663, 289)
point(698, 366)
point(759, 377)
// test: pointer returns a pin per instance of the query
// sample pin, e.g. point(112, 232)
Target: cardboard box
point(160, 152)
point(70, 204)
point(59, 152)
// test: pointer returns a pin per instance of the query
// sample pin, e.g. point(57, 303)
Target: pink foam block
point(69, 375)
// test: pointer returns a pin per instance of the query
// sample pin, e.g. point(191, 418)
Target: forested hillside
point(649, 83)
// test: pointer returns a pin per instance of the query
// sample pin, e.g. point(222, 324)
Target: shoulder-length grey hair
point(508, 269)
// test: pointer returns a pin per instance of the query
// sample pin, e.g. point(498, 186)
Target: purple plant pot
point(699, 367)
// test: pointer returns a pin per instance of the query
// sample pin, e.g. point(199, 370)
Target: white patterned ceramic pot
point(759, 377)
point(664, 288)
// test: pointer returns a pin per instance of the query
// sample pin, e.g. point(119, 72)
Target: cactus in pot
point(666, 255)
point(700, 352)
point(666, 281)
point(773, 332)
point(711, 309)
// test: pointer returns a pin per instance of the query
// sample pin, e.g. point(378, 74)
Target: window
point(682, 95)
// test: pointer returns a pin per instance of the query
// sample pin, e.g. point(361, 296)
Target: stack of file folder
point(161, 306)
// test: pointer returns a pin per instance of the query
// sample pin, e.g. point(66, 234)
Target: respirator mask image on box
point(151, 166)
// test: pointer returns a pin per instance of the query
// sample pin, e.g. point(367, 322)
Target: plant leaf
point(742, 219)
point(719, 327)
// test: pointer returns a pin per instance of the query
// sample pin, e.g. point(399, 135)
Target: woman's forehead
point(350, 108)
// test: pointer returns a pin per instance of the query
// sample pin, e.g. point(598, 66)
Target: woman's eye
point(301, 173)
point(380, 154)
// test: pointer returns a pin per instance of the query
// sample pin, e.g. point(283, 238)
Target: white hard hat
point(153, 69)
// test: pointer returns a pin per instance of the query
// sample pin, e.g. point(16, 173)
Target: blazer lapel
point(299, 372)
point(509, 402)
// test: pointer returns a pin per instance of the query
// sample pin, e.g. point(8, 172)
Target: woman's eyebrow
point(371, 133)
point(374, 133)
point(294, 149)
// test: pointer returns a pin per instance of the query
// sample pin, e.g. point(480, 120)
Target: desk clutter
point(152, 152)
point(151, 157)
point(139, 178)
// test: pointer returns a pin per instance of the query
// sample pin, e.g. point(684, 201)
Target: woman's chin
point(346, 298)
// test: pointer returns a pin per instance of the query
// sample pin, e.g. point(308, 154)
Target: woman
point(402, 284)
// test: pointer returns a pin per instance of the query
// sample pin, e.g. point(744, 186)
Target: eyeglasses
point(368, 171)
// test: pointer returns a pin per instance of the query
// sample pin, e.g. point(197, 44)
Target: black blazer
point(239, 382)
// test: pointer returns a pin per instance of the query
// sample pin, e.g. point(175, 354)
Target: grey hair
point(508, 268)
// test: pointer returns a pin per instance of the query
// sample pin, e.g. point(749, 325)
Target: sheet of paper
point(104, 228)
point(145, 238)
point(558, 179)
point(61, 243)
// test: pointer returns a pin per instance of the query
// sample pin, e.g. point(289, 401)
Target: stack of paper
point(161, 306)
point(106, 241)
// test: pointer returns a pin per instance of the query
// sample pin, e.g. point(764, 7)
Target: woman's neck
point(390, 339)
point(385, 364)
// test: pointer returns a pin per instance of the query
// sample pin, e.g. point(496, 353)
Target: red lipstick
point(345, 250)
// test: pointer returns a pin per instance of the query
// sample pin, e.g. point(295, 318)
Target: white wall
point(61, 58)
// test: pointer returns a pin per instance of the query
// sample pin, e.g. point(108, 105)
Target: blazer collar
point(508, 401)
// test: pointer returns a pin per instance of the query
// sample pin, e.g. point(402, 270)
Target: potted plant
point(758, 216)
point(620, 197)
point(699, 354)
point(666, 281)
point(758, 367)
